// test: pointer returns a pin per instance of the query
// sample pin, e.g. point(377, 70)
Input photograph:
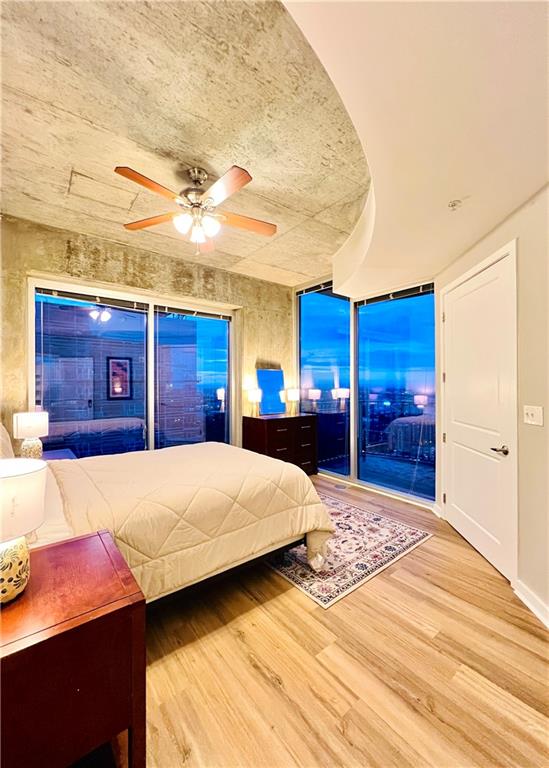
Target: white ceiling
point(450, 101)
point(161, 86)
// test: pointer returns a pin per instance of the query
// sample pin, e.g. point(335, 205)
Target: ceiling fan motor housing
point(198, 176)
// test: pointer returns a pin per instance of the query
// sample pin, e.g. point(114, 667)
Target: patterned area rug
point(364, 544)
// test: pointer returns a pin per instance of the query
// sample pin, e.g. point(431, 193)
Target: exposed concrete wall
point(529, 226)
point(264, 320)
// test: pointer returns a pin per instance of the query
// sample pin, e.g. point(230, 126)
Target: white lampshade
point(292, 395)
point(30, 424)
point(220, 393)
point(420, 400)
point(344, 393)
point(22, 491)
point(315, 394)
point(255, 395)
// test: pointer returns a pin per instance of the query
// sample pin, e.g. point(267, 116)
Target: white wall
point(529, 224)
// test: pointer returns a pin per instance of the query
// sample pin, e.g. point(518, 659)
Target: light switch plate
point(533, 414)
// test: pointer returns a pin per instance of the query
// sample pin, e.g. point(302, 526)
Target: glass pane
point(192, 379)
point(91, 375)
point(396, 378)
point(325, 357)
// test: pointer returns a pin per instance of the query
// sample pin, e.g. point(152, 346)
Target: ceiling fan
point(198, 216)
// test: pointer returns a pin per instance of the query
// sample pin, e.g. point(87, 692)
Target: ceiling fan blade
point(153, 186)
point(227, 185)
point(151, 221)
point(253, 225)
point(206, 247)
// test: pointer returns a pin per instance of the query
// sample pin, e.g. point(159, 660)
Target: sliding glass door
point(192, 378)
point(93, 374)
point(325, 361)
point(393, 413)
point(396, 392)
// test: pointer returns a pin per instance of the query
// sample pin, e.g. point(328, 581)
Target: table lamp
point(22, 491)
point(255, 396)
point(220, 393)
point(292, 397)
point(314, 395)
point(30, 427)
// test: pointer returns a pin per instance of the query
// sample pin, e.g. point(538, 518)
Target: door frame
point(508, 251)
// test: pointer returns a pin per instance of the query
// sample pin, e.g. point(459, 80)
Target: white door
point(479, 391)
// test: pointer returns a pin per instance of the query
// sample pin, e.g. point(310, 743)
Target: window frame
point(152, 300)
point(352, 478)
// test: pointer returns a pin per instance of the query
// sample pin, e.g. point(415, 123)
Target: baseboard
point(437, 509)
point(532, 601)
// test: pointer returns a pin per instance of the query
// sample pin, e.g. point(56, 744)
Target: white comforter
point(181, 514)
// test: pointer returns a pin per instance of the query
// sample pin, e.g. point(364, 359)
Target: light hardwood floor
point(434, 662)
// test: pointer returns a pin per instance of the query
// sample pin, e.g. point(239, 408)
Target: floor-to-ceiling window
point(324, 358)
point(91, 373)
point(92, 367)
point(396, 391)
point(192, 378)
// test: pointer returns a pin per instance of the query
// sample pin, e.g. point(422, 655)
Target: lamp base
point(31, 448)
point(14, 568)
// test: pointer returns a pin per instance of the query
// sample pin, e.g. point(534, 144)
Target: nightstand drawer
point(282, 437)
point(308, 466)
point(283, 452)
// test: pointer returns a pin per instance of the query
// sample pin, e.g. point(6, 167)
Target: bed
point(182, 514)
point(92, 437)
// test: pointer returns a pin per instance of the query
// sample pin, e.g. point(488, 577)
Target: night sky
point(395, 343)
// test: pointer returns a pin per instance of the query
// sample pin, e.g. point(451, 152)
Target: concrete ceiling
point(450, 100)
point(163, 86)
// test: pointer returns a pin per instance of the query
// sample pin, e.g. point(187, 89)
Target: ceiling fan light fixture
point(210, 225)
point(197, 234)
point(183, 222)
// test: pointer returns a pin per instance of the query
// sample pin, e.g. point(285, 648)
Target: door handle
point(504, 450)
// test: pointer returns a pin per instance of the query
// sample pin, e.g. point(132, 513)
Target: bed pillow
point(6, 448)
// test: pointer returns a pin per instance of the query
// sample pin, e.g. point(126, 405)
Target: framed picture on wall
point(119, 378)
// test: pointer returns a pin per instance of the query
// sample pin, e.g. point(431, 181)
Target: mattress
point(181, 514)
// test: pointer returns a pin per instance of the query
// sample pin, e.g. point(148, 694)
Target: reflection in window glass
point(192, 379)
point(396, 400)
point(90, 375)
point(324, 322)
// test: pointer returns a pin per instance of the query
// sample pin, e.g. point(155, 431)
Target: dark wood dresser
point(290, 438)
point(72, 649)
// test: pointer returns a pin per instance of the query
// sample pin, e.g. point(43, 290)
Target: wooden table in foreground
point(72, 650)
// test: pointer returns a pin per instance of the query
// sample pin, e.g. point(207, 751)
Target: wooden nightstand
point(73, 657)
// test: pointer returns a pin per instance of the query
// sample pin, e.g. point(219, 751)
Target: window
point(91, 374)
point(396, 392)
point(92, 369)
point(192, 378)
point(324, 324)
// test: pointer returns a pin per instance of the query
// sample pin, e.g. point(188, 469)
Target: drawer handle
point(285, 429)
point(304, 463)
point(305, 426)
point(281, 449)
point(305, 445)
